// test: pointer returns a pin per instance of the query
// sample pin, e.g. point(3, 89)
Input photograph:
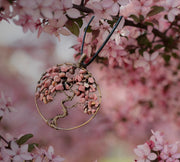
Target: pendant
point(67, 91)
point(78, 87)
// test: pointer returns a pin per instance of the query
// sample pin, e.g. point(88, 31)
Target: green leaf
point(135, 18)
point(155, 10)
point(32, 146)
point(11, 1)
point(166, 58)
point(24, 139)
point(79, 22)
point(73, 27)
point(141, 51)
point(158, 46)
point(178, 67)
point(143, 40)
point(141, 18)
point(148, 23)
point(175, 55)
point(88, 29)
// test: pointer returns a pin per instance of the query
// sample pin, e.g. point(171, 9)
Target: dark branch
point(82, 3)
point(139, 25)
point(1, 137)
point(156, 32)
point(167, 41)
point(83, 8)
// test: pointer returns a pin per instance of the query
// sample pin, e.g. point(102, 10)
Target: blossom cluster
point(147, 28)
point(152, 97)
point(48, 16)
point(142, 39)
point(17, 152)
point(157, 149)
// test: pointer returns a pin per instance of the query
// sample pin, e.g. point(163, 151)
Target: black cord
point(99, 50)
point(85, 35)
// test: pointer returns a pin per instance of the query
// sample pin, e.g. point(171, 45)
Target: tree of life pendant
point(72, 87)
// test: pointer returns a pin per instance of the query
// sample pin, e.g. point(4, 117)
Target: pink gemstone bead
point(64, 68)
point(49, 98)
point(47, 83)
point(62, 75)
point(82, 71)
point(57, 78)
point(91, 80)
point(59, 87)
point(81, 88)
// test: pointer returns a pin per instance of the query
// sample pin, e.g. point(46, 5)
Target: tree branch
point(1, 137)
point(83, 8)
point(82, 3)
point(156, 32)
point(142, 26)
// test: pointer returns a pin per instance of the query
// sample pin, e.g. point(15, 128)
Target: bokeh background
point(23, 58)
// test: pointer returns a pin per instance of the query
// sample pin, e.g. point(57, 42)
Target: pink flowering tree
point(137, 72)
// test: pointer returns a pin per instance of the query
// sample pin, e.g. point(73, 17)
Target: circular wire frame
point(52, 125)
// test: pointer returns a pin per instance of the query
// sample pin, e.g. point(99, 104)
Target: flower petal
point(152, 156)
point(14, 146)
point(47, 13)
point(51, 150)
point(26, 156)
point(24, 148)
point(154, 55)
point(138, 152)
point(171, 16)
point(63, 31)
point(73, 13)
point(146, 56)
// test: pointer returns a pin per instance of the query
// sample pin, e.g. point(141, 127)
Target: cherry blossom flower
point(50, 155)
point(44, 8)
point(55, 27)
point(26, 22)
point(162, 150)
point(4, 157)
point(47, 155)
point(5, 105)
point(169, 153)
point(145, 62)
point(19, 153)
point(158, 139)
point(144, 152)
point(172, 8)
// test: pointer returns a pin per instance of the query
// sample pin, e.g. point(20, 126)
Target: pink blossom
point(26, 22)
point(55, 27)
point(158, 140)
point(5, 105)
point(51, 156)
point(144, 153)
point(44, 8)
point(169, 153)
point(4, 157)
point(172, 8)
point(19, 153)
point(146, 61)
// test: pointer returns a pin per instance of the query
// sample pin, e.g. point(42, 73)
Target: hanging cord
point(99, 50)
point(82, 47)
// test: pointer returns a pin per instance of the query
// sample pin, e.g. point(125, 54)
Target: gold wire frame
point(75, 127)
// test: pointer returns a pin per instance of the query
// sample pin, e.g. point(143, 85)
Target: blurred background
point(23, 58)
